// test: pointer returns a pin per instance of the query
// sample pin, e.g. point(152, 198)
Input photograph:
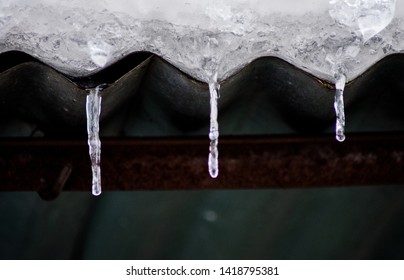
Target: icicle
point(214, 128)
point(339, 107)
point(93, 108)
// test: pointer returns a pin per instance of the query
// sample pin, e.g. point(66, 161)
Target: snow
point(367, 16)
point(201, 37)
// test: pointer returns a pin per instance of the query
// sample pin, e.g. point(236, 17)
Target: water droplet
point(210, 216)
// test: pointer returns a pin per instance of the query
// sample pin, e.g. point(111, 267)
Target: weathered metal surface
point(37, 92)
point(182, 164)
point(30, 89)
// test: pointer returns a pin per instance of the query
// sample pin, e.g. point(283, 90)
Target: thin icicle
point(339, 107)
point(93, 108)
point(214, 128)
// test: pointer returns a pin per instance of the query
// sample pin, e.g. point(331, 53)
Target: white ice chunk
point(100, 52)
point(93, 109)
point(367, 16)
point(352, 51)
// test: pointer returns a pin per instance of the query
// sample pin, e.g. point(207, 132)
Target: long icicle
point(213, 162)
point(93, 109)
point(339, 107)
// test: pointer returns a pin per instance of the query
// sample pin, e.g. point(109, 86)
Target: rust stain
point(181, 164)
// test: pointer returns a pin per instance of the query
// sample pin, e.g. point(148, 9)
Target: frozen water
point(213, 161)
point(93, 109)
point(79, 39)
point(339, 107)
point(367, 16)
point(99, 52)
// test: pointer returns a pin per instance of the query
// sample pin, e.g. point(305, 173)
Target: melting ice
point(80, 39)
point(213, 162)
point(322, 37)
point(93, 109)
point(339, 107)
point(367, 16)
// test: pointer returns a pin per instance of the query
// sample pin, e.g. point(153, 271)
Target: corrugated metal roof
point(36, 92)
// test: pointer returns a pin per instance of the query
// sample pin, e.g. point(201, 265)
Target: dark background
point(331, 223)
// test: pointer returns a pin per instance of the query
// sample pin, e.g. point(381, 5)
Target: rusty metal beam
point(178, 164)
